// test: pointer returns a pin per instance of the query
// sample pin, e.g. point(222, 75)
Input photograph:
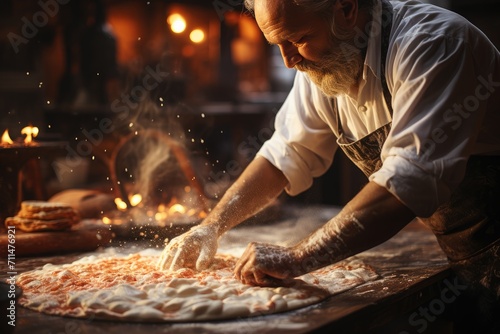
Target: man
point(410, 92)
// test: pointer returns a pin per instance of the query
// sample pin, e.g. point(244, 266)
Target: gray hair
point(315, 6)
point(321, 7)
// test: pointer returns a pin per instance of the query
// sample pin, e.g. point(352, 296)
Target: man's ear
point(345, 13)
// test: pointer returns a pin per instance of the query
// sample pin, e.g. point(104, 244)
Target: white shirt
point(444, 79)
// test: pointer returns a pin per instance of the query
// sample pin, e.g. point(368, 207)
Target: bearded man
point(410, 92)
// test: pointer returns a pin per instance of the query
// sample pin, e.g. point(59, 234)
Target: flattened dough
point(130, 288)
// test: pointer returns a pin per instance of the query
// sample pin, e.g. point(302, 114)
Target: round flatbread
point(130, 288)
point(38, 206)
point(67, 213)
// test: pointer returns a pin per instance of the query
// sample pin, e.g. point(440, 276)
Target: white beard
point(337, 72)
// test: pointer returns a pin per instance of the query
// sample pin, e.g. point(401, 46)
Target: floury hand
point(266, 265)
point(259, 185)
point(194, 249)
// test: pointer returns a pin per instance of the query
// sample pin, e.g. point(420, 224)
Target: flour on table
point(124, 287)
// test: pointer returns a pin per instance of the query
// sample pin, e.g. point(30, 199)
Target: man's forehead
point(270, 9)
point(280, 17)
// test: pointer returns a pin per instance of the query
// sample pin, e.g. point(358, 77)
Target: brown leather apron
point(468, 226)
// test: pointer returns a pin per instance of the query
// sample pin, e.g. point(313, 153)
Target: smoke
point(138, 154)
point(154, 166)
point(152, 159)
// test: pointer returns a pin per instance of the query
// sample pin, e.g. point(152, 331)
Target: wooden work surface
point(412, 269)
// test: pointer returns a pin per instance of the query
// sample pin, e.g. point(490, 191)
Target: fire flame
point(161, 214)
point(134, 200)
point(30, 132)
point(6, 138)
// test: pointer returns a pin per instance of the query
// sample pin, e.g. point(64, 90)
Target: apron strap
point(386, 22)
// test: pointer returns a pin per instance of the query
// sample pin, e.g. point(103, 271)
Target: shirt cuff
point(415, 183)
point(290, 163)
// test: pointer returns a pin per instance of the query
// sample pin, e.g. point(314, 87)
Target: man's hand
point(194, 249)
point(266, 265)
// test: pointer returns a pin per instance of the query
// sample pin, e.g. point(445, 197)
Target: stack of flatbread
point(38, 216)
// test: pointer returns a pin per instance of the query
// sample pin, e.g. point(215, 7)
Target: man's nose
point(290, 54)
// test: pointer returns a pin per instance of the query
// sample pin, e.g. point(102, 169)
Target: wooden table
point(413, 271)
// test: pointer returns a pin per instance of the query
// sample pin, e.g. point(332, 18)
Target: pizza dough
point(123, 287)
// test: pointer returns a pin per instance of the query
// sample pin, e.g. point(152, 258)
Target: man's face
point(307, 44)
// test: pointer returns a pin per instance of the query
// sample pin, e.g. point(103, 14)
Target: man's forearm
point(256, 188)
point(371, 218)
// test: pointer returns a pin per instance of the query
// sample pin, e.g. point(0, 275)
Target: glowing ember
point(30, 132)
point(135, 199)
point(120, 204)
point(161, 215)
point(177, 208)
point(6, 138)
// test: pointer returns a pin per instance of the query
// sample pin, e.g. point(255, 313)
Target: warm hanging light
point(177, 23)
point(197, 36)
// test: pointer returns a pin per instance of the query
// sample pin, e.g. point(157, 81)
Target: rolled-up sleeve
point(436, 119)
point(303, 144)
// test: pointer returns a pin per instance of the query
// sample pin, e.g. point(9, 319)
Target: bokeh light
point(197, 36)
point(177, 23)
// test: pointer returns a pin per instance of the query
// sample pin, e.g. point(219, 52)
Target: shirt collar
point(372, 58)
